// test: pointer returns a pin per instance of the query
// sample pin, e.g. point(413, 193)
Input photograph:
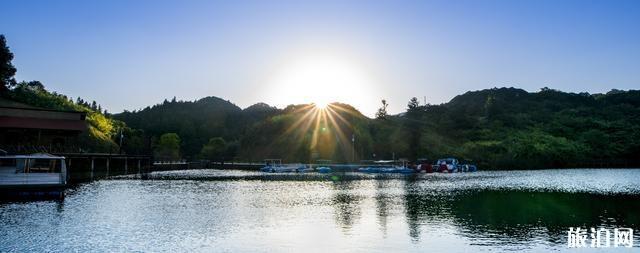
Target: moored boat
point(323, 166)
point(35, 175)
point(452, 165)
point(276, 166)
point(323, 169)
point(424, 166)
point(390, 169)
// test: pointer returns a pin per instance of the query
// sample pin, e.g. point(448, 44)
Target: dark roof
point(18, 115)
point(39, 123)
point(7, 103)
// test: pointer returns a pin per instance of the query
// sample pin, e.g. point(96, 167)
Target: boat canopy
point(447, 161)
point(33, 156)
point(384, 161)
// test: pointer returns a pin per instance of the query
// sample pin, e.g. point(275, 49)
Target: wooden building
point(27, 129)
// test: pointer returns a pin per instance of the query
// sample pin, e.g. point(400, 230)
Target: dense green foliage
point(168, 147)
point(512, 128)
point(304, 133)
point(197, 122)
point(504, 128)
point(7, 70)
point(101, 129)
point(214, 150)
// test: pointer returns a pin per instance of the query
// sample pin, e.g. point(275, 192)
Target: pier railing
point(90, 166)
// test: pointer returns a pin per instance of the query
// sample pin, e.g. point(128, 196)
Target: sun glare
point(320, 80)
point(321, 104)
point(329, 130)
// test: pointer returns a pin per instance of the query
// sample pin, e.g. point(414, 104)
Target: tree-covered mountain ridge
point(501, 128)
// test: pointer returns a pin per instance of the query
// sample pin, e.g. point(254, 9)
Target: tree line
point(498, 128)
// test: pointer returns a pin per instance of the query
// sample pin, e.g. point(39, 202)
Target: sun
point(319, 79)
point(321, 104)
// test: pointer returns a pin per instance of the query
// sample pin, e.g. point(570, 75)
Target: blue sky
point(130, 54)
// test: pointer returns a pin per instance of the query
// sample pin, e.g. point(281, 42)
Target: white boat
point(389, 169)
point(276, 166)
point(38, 174)
point(452, 165)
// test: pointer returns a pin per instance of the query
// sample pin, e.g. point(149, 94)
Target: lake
point(243, 211)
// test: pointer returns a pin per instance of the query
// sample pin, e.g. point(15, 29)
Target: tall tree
point(382, 111)
point(168, 147)
point(413, 125)
point(413, 105)
point(215, 149)
point(34, 85)
point(7, 70)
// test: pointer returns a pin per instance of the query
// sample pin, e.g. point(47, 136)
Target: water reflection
point(347, 204)
point(423, 207)
point(383, 202)
point(213, 211)
point(519, 216)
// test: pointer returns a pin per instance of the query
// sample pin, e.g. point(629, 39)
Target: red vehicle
point(424, 166)
point(443, 168)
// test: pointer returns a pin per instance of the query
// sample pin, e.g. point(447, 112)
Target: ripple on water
point(241, 211)
point(601, 181)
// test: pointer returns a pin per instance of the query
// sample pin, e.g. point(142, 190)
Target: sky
point(127, 55)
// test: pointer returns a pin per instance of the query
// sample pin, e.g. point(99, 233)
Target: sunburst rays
point(322, 131)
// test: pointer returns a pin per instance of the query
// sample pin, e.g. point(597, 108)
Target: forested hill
point(196, 122)
point(305, 133)
point(501, 128)
point(512, 128)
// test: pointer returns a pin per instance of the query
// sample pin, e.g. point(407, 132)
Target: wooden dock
point(89, 166)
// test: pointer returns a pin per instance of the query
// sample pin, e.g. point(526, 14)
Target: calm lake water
point(239, 211)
